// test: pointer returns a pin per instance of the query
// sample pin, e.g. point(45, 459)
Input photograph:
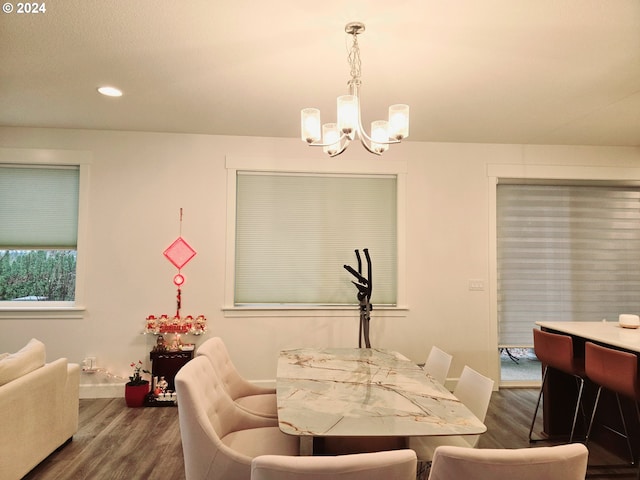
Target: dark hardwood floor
point(115, 442)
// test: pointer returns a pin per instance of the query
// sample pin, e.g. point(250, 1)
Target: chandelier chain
point(354, 61)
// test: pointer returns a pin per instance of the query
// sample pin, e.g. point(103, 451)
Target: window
point(40, 214)
point(37, 275)
point(565, 252)
point(294, 231)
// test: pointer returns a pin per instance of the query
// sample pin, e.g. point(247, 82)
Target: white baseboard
point(102, 390)
point(101, 384)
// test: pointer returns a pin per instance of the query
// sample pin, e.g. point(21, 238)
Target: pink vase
point(134, 394)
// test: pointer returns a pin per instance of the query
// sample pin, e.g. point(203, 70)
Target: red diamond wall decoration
point(179, 253)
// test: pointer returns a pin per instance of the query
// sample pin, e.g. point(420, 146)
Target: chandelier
point(334, 138)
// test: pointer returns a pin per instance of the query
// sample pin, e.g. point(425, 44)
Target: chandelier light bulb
point(348, 115)
point(380, 136)
point(310, 125)
point(337, 136)
point(398, 121)
point(330, 138)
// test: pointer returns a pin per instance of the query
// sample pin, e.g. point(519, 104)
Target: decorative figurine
point(160, 345)
point(162, 385)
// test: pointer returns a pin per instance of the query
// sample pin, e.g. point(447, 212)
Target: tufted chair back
point(216, 351)
point(219, 438)
point(253, 398)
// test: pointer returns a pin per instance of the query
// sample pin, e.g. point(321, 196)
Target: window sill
point(311, 311)
point(28, 312)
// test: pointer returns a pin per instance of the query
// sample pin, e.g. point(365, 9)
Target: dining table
point(364, 393)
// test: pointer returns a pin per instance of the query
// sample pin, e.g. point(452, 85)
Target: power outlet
point(476, 285)
point(89, 364)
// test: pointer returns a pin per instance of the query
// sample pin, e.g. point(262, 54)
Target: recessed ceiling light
point(110, 91)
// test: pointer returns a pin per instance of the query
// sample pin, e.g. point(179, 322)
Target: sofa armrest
point(71, 399)
point(40, 412)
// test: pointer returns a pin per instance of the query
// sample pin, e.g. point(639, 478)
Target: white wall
point(139, 181)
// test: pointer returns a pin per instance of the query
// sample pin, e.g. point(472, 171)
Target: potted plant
point(136, 389)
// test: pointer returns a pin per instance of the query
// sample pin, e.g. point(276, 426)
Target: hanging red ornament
point(179, 253)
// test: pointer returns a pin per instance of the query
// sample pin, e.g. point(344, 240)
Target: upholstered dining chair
point(219, 438)
point(438, 364)
point(383, 465)
point(616, 371)
point(474, 391)
point(253, 398)
point(561, 462)
point(556, 351)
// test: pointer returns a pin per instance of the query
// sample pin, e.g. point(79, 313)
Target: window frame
point(326, 166)
point(81, 159)
point(570, 296)
point(528, 172)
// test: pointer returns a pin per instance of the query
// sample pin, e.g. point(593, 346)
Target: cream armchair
point(561, 462)
point(384, 465)
point(253, 398)
point(219, 438)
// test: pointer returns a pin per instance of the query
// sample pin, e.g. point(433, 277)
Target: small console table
point(166, 364)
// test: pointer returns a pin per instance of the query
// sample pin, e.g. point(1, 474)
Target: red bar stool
point(556, 351)
point(616, 371)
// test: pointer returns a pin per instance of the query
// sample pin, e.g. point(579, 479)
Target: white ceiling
point(497, 71)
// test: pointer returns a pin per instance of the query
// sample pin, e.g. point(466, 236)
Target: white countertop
point(609, 333)
point(365, 392)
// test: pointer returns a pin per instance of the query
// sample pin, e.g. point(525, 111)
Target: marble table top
point(364, 392)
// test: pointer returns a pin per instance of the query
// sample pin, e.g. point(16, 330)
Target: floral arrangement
point(136, 378)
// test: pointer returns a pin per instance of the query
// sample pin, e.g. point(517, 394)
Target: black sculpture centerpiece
point(365, 287)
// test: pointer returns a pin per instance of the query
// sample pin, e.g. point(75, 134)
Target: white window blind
point(38, 206)
point(294, 233)
point(565, 253)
